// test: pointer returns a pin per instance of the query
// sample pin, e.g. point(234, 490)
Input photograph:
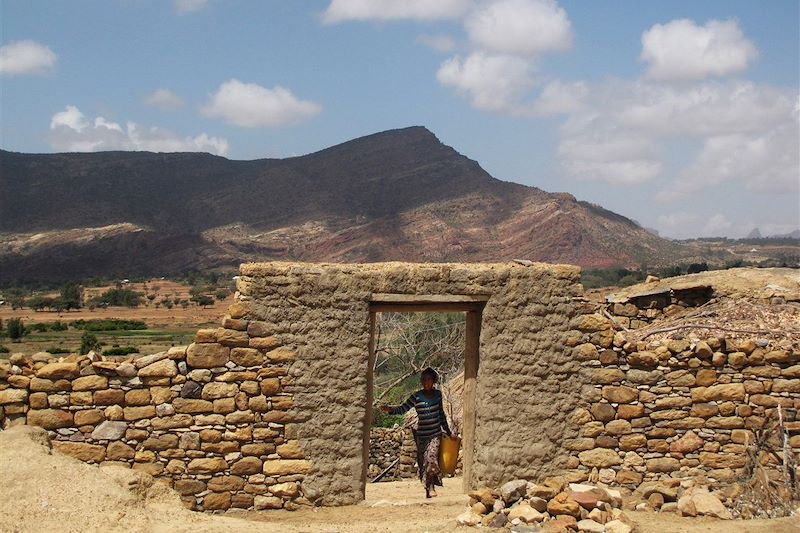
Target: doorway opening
point(409, 333)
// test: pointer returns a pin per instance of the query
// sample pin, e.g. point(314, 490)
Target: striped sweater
point(430, 413)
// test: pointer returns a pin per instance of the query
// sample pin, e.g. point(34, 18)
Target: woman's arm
point(403, 409)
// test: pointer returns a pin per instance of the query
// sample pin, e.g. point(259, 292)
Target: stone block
point(281, 355)
point(247, 357)
point(283, 467)
point(232, 337)
point(217, 501)
point(109, 430)
point(725, 392)
point(161, 443)
point(88, 417)
point(270, 386)
point(183, 405)
point(632, 442)
point(185, 487)
point(119, 451)
point(226, 483)
point(164, 368)
point(216, 390)
point(207, 355)
point(607, 376)
point(50, 418)
point(137, 397)
point(267, 502)
point(90, 383)
point(290, 450)
point(706, 377)
point(89, 453)
point(54, 371)
point(207, 465)
point(13, 396)
point(246, 466)
point(109, 397)
point(630, 411)
point(139, 413)
point(597, 458)
point(620, 394)
point(662, 465)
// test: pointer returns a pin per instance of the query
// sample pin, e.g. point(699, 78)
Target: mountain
point(395, 195)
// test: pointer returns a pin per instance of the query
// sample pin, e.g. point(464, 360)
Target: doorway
point(472, 307)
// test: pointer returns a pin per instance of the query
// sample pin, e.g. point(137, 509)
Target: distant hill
point(396, 195)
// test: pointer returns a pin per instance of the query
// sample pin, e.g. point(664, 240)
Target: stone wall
point(270, 410)
point(385, 446)
point(676, 408)
point(210, 419)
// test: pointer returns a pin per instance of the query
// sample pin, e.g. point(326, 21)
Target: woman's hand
point(386, 409)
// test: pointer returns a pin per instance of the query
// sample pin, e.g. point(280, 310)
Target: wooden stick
point(612, 319)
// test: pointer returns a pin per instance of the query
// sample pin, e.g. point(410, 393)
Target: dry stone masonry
point(271, 410)
point(680, 407)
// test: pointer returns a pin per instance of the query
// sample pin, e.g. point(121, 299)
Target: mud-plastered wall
point(524, 395)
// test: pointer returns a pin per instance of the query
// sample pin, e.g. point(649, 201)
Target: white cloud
point(362, 10)
point(618, 160)
point(521, 27)
point(440, 43)
point(494, 83)
point(71, 131)
point(682, 50)
point(682, 225)
point(164, 99)
point(71, 117)
point(251, 106)
point(26, 57)
point(187, 6)
point(742, 132)
point(709, 108)
point(558, 97)
point(767, 162)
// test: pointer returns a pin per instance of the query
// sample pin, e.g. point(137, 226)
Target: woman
point(432, 420)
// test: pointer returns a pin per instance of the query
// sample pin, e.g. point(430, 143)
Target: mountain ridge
point(397, 194)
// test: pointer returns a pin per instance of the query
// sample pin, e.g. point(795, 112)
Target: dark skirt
point(428, 461)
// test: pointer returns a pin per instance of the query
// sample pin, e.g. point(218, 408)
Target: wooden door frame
point(472, 306)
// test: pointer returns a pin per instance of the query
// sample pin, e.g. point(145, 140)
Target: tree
point(16, 329)
point(71, 296)
point(89, 342)
point(203, 300)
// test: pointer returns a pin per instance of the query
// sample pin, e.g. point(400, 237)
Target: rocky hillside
point(400, 194)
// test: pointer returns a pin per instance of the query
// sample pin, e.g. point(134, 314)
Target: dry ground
point(43, 491)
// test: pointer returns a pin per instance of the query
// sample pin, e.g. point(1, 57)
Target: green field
point(147, 341)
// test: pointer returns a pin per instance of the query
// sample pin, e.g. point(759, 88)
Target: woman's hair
point(429, 373)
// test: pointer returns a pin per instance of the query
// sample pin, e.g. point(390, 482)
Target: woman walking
point(432, 420)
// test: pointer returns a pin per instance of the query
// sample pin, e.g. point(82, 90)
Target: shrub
point(57, 350)
point(118, 297)
point(121, 350)
point(382, 420)
point(89, 343)
point(111, 324)
point(15, 329)
point(3, 349)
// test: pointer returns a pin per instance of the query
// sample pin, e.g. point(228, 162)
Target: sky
point(682, 115)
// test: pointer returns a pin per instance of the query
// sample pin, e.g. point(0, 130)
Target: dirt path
point(398, 506)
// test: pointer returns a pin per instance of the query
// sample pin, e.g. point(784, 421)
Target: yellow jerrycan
point(448, 454)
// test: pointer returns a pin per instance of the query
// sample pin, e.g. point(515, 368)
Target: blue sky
point(681, 115)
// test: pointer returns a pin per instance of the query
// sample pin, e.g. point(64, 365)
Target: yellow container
point(448, 454)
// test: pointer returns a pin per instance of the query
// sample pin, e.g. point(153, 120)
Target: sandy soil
point(42, 490)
